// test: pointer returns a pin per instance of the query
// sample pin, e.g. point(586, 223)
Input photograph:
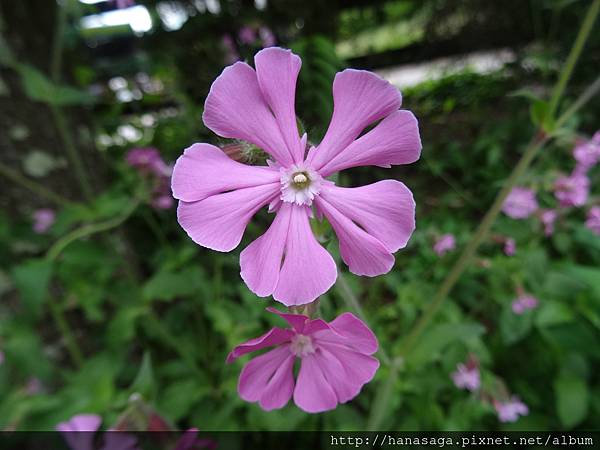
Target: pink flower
point(593, 220)
point(523, 303)
point(509, 411)
point(510, 247)
point(444, 244)
point(150, 165)
point(218, 196)
point(33, 386)
point(231, 52)
point(572, 190)
point(79, 431)
point(247, 35)
point(335, 363)
point(548, 217)
point(266, 36)
point(189, 441)
point(122, 4)
point(81, 422)
point(467, 377)
point(43, 219)
point(1, 357)
point(587, 153)
point(520, 203)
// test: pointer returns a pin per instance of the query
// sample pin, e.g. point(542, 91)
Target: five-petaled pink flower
point(218, 196)
point(335, 363)
point(467, 376)
point(511, 409)
point(593, 220)
point(520, 203)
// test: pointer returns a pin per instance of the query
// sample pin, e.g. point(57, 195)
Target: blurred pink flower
point(523, 303)
point(150, 164)
point(43, 219)
point(79, 431)
point(335, 363)
point(593, 220)
point(266, 36)
point(122, 4)
point(548, 217)
point(1, 357)
point(231, 53)
point(444, 244)
point(218, 196)
point(520, 203)
point(82, 422)
point(189, 441)
point(467, 377)
point(510, 410)
point(33, 386)
point(587, 153)
point(247, 35)
point(572, 190)
point(510, 247)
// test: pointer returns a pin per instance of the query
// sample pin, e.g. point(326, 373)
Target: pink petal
point(81, 422)
point(268, 379)
point(308, 269)
point(395, 140)
point(275, 336)
point(277, 71)
point(360, 98)
point(204, 170)
point(260, 262)
point(296, 321)
point(235, 108)
point(364, 254)
point(313, 392)
point(352, 332)
point(385, 209)
point(346, 371)
point(218, 222)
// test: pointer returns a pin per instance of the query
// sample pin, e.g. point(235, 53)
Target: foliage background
point(155, 315)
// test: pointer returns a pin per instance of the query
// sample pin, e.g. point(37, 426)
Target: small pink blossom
point(335, 363)
point(189, 440)
point(231, 52)
point(548, 217)
point(43, 219)
point(587, 153)
point(467, 377)
point(510, 247)
point(247, 35)
point(444, 244)
point(266, 36)
point(523, 303)
point(520, 203)
point(572, 190)
point(150, 165)
point(218, 196)
point(79, 431)
point(510, 410)
point(33, 386)
point(593, 220)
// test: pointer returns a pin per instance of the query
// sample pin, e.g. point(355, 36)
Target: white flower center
point(300, 184)
point(302, 345)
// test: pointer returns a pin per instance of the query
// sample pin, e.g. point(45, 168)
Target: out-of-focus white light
point(129, 133)
point(260, 4)
point(213, 6)
point(137, 17)
point(91, 2)
point(172, 15)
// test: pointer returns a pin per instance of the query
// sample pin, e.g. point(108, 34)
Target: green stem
point(353, 303)
point(67, 334)
point(32, 186)
point(88, 230)
point(582, 36)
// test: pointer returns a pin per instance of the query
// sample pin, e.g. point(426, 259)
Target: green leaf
point(31, 279)
point(168, 285)
point(40, 88)
point(514, 327)
point(439, 337)
point(572, 398)
point(144, 381)
point(539, 111)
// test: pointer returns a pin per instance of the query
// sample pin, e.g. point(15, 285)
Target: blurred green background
point(129, 317)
